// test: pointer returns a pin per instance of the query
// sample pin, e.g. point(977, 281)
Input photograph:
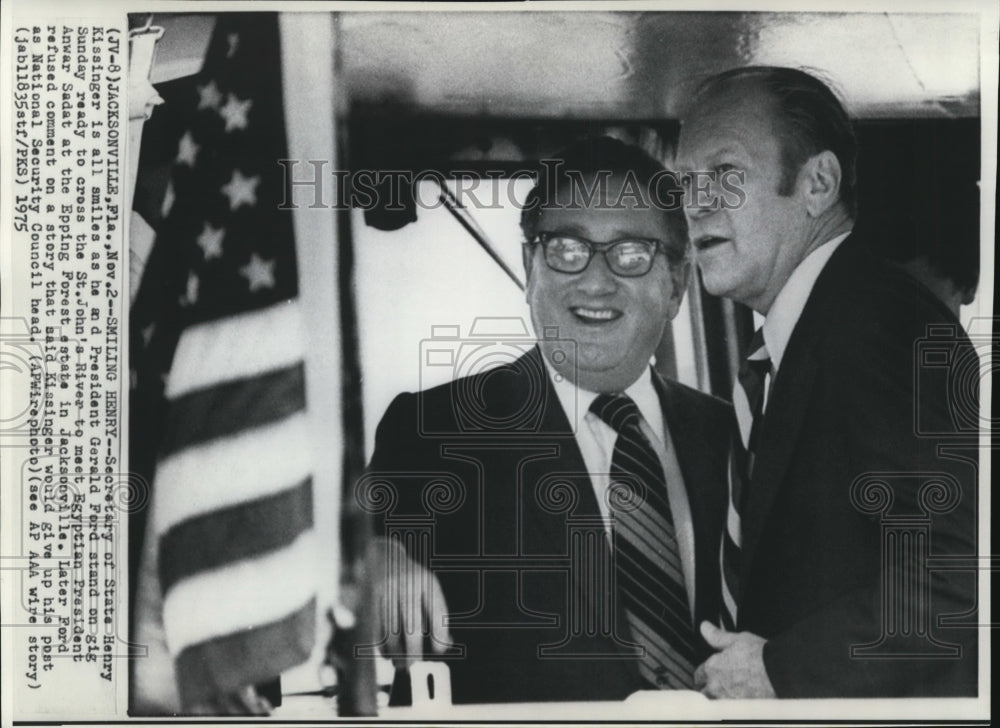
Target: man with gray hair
point(843, 432)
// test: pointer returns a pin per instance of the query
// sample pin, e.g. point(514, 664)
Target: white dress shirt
point(596, 440)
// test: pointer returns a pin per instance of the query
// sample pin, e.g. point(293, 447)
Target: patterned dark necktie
point(748, 401)
point(648, 574)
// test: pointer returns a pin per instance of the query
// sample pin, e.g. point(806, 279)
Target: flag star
point(233, 39)
point(210, 241)
point(235, 112)
point(258, 272)
point(241, 190)
point(147, 333)
point(210, 96)
point(168, 200)
point(187, 150)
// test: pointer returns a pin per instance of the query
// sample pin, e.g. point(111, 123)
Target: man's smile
point(590, 315)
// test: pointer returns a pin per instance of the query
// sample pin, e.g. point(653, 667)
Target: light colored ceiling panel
point(633, 65)
point(495, 63)
point(641, 65)
point(884, 64)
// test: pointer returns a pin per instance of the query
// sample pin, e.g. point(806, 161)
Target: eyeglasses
point(629, 257)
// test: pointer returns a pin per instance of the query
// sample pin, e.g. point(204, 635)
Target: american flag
point(218, 333)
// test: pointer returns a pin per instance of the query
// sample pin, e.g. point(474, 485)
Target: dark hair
point(812, 119)
point(584, 160)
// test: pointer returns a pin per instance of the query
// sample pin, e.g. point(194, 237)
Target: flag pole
point(313, 108)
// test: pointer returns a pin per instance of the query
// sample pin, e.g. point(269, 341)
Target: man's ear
point(820, 181)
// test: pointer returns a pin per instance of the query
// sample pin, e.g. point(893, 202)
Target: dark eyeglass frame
point(544, 238)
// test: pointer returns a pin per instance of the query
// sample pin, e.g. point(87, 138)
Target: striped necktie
point(748, 401)
point(648, 574)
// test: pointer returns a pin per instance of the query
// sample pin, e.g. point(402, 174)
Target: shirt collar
point(788, 305)
point(576, 401)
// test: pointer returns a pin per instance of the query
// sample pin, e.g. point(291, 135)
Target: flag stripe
point(235, 467)
point(218, 538)
point(241, 595)
point(237, 347)
point(226, 663)
point(207, 414)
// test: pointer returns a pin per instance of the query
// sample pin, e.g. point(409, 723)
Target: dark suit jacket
point(523, 512)
point(856, 401)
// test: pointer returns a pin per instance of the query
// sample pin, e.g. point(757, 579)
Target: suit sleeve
point(396, 426)
point(870, 366)
point(396, 454)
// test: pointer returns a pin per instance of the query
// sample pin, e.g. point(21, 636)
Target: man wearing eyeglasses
point(578, 550)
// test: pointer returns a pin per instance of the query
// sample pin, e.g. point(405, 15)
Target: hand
point(411, 606)
point(737, 669)
point(244, 701)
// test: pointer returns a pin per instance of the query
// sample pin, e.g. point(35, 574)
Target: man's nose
point(694, 211)
point(701, 196)
point(598, 277)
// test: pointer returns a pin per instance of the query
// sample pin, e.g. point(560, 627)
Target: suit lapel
point(553, 430)
point(548, 532)
point(789, 398)
point(782, 423)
